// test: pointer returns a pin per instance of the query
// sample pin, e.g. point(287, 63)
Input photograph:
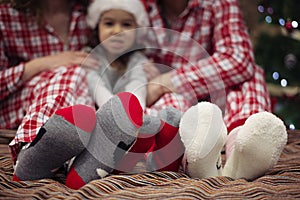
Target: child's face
point(117, 23)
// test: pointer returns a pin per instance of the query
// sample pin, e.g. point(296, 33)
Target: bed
point(281, 182)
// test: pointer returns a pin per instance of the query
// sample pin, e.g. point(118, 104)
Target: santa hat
point(135, 7)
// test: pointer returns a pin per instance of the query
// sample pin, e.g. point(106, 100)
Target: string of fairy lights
point(289, 21)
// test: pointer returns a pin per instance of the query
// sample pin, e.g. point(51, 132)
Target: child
point(116, 24)
point(121, 67)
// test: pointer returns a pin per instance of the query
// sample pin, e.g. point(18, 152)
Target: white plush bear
point(257, 148)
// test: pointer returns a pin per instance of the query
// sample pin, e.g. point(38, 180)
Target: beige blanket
point(281, 182)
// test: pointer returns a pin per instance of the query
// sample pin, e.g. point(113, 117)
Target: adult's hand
point(158, 87)
point(67, 58)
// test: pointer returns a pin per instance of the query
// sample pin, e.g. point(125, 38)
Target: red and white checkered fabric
point(225, 73)
point(30, 104)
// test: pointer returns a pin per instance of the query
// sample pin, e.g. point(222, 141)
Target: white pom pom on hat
point(135, 7)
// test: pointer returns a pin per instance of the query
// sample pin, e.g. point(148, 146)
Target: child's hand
point(151, 70)
point(158, 87)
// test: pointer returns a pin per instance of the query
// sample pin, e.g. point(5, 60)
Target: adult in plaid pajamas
point(218, 27)
point(40, 63)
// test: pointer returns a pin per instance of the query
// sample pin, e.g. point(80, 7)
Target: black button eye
point(218, 164)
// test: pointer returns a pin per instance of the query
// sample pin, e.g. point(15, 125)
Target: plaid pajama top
point(28, 105)
point(222, 69)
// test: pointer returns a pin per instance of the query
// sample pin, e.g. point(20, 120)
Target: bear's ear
point(202, 123)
